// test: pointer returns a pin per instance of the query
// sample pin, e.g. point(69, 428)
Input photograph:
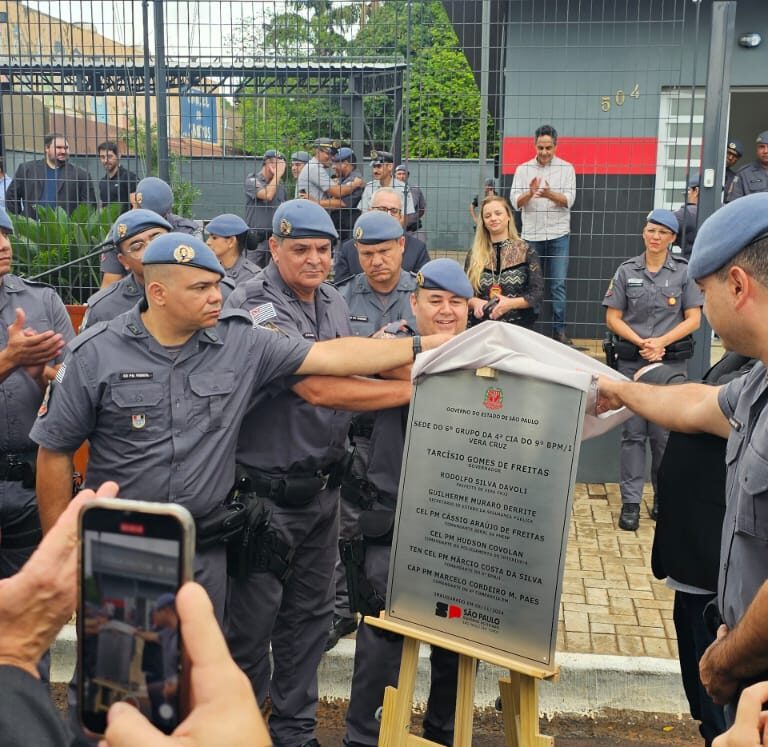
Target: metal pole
point(163, 165)
point(147, 90)
point(716, 110)
point(485, 54)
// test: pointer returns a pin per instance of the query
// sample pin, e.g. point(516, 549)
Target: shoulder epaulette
point(343, 281)
point(87, 335)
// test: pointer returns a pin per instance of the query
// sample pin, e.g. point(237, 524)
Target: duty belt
point(297, 489)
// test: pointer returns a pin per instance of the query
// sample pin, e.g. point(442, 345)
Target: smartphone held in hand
point(134, 556)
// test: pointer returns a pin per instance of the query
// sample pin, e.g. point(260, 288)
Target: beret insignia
point(285, 227)
point(419, 280)
point(139, 197)
point(359, 233)
point(183, 253)
point(122, 229)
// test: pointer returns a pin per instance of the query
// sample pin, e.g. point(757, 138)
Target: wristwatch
point(416, 345)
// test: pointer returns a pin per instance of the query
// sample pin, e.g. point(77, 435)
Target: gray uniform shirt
point(652, 303)
point(20, 396)
point(242, 270)
point(748, 180)
point(258, 213)
point(314, 179)
point(163, 423)
point(368, 311)
point(285, 434)
point(744, 543)
point(112, 301)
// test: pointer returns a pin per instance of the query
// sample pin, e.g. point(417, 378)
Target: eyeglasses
point(135, 247)
point(392, 211)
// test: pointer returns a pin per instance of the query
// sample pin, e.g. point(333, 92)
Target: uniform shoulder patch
point(262, 313)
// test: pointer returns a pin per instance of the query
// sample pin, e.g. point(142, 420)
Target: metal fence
point(196, 91)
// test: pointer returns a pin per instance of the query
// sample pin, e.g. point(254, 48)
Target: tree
point(442, 98)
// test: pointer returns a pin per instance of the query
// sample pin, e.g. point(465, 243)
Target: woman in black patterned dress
point(501, 265)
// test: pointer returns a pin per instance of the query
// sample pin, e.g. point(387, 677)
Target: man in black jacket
point(52, 181)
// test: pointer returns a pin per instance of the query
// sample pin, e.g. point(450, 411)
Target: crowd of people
point(205, 371)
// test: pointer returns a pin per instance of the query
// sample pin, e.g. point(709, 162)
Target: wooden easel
point(519, 692)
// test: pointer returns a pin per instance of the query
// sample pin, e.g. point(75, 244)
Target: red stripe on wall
point(589, 155)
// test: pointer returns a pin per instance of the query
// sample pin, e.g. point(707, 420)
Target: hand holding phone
point(489, 307)
point(225, 710)
point(134, 557)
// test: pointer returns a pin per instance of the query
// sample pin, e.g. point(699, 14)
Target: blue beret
point(5, 221)
point(303, 219)
point(381, 156)
point(300, 156)
point(273, 154)
point(735, 145)
point(693, 182)
point(345, 154)
point(762, 138)
point(154, 194)
point(402, 167)
point(227, 224)
point(165, 600)
point(726, 232)
point(183, 250)
point(444, 274)
point(664, 218)
point(135, 221)
point(376, 226)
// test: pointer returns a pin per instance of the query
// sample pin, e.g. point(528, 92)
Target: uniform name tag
point(358, 318)
point(136, 375)
point(735, 424)
point(309, 335)
point(634, 282)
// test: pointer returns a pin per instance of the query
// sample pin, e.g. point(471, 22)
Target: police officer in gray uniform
point(155, 195)
point(31, 341)
point(228, 236)
point(295, 456)
point(728, 262)
point(441, 297)
point(130, 234)
point(381, 293)
point(733, 153)
point(377, 297)
point(264, 193)
point(653, 309)
point(753, 177)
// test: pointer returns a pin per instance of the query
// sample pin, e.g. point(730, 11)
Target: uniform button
point(178, 403)
point(177, 433)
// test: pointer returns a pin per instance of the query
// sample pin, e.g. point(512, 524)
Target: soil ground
point(609, 729)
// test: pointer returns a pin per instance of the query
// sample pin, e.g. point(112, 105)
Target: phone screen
point(128, 630)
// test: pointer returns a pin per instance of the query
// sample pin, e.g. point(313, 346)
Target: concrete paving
point(616, 641)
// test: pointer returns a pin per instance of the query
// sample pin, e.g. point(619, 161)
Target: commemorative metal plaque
point(482, 520)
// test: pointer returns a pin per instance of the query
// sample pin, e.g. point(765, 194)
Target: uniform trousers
point(293, 615)
point(377, 665)
point(349, 516)
point(634, 434)
point(18, 507)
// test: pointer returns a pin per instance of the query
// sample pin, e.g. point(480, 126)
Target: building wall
point(597, 71)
